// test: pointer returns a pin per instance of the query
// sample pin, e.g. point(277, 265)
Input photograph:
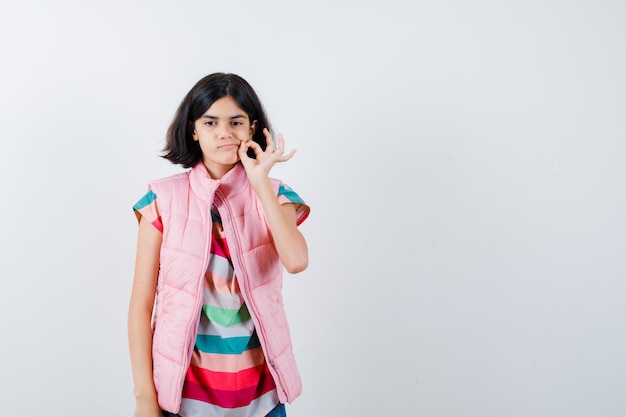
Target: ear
point(253, 128)
point(194, 134)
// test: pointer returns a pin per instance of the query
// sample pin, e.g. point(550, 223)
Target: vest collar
point(204, 186)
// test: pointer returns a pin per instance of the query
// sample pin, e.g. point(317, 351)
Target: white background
point(464, 161)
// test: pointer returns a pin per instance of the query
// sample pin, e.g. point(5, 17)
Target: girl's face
point(219, 131)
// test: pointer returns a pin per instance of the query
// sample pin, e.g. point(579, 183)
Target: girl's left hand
point(265, 160)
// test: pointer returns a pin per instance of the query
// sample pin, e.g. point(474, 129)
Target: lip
point(229, 146)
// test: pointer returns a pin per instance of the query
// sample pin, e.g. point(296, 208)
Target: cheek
point(247, 137)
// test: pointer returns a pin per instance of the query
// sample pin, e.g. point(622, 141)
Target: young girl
point(207, 329)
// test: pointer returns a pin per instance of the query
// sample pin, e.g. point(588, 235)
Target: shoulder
point(163, 190)
point(174, 179)
point(170, 184)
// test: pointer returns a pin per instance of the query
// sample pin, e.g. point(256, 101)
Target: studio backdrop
point(464, 163)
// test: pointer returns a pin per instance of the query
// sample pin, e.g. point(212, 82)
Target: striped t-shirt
point(228, 375)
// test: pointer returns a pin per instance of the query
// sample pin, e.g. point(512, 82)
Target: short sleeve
point(287, 195)
point(147, 207)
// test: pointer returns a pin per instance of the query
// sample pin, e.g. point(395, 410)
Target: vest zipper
point(249, 302)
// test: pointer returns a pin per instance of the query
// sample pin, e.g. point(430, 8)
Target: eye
point(236, 123)
point(210, 123)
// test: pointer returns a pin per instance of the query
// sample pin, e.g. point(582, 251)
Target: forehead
point(225, 107)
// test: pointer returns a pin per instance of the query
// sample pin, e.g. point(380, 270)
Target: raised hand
point(260, 167)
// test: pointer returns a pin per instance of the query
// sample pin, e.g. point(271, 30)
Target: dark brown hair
point(180, 148)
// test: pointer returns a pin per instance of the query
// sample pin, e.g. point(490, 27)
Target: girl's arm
point(290, 243)
point(281, 218)
point(140, 316)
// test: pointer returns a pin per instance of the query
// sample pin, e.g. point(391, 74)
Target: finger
point(269, 140)
point(287, 157)
point(255, 147)
point(281, 144)
point(243, 150)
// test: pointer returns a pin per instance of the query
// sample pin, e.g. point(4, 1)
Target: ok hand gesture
point(260, 167)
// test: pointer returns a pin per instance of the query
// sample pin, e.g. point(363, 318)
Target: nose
point(223, 130)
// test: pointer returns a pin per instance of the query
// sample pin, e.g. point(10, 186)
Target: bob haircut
point(180, 148)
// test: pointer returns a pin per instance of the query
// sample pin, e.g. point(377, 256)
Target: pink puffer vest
point(184, 203)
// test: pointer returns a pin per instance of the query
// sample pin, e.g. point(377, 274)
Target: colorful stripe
point(289, 194)
point(228, 398)
point(147, 208)
point(261, 406)
point(219, 247)
point(225, 317)
point(229, 346)
point(210, 328)
point(222, 267)
point(228, 381)
point(146, 200)
point(226, 363)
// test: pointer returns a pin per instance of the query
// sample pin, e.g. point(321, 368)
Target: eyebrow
point(237, 116)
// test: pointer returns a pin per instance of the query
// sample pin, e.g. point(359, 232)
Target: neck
point(218, 171)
